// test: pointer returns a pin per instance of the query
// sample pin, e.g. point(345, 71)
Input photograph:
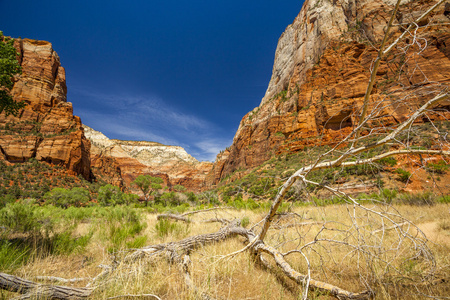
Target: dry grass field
point(222, 276)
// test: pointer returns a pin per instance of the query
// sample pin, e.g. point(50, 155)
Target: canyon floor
point(106, 235)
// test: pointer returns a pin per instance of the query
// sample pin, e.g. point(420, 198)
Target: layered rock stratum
point(46, 129)
point(320, 74)
point(120, 162)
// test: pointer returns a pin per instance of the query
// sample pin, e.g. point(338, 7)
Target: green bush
point(79, 196)
point(419, 199)
point(403, 175)
point(13, 255)
point(444, 199)
point(165, 227)
point(23, 217)
point(388, 161)
point(440, 167)
point(130, 198)
point(388, 195)
point(63, 198)
point(118, 224)
point(245, 221)
point(110, 195)
point(179, 188)
point(65, 243)
point(7, 198)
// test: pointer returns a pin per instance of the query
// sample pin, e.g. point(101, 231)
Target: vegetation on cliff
point(9, 67)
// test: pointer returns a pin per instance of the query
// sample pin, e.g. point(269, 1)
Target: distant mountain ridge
point(132, 158)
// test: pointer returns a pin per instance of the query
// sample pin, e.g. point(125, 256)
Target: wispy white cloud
point(148, 109)
point(150, 119)
point(209, 148)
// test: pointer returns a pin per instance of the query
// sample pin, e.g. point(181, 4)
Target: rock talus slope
point(46, 129)
point(120, 162)
point(320, 74)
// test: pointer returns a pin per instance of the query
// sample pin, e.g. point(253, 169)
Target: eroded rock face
point(120, 162)
point(46, 129)
point(320, 75)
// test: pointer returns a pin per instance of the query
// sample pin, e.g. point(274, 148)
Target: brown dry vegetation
point(239, 277)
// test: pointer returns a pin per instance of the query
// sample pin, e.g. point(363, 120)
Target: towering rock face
point(46, 129)
point(120, 162)
point(320, 74)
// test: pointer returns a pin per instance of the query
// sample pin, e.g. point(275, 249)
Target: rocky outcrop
point(46, 129)
point(120, 162)
point(320, 74)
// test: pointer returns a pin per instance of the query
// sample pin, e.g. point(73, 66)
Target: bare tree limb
point(59, 279)
point(313, 284)
point(30, 289)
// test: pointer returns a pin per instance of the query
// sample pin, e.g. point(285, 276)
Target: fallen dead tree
point(178, 252)
point(175, 253)
point(184, 217)
point(33, 290)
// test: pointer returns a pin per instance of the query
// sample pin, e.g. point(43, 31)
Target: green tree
point(9, 66)
point(79, 196)
point(147, 185)
point(179, 188)
point(110, 195)
point(61, 197)
point(58, 197)
point(130, 198)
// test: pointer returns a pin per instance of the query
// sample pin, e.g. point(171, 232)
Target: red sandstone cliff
point(120, 162)
point(320, 74)
point(46, 129)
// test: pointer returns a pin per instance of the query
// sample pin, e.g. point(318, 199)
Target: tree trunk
point(34, 290)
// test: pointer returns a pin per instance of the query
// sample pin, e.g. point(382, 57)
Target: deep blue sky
point(175, 72)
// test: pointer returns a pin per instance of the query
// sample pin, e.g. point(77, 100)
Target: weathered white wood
point(32, 290)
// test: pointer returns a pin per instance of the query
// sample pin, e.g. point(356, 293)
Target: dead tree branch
point(30, 289)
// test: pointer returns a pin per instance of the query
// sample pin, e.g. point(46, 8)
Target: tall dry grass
point(240, 277)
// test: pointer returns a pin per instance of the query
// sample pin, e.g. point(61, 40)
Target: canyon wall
point(320, 74)
point(120, 162)
point(46, 128)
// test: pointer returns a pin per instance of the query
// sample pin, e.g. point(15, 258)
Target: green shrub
point(13, 255)
point(328, 201)
point(420, 199)
point(403, 175)
point(440, 167)
point(110, 195)
point(7, 198)
point(444, 199)
point(245, 221)
point(79, 196)
point(179, 188)
point(130, 198)
point(122, 223)
point(65, 243)
point(165, 227)
point(138, 242)
point(61, 197)
point(388, 195)
point(192, 197)
point(388, 161)
point(23, 217)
